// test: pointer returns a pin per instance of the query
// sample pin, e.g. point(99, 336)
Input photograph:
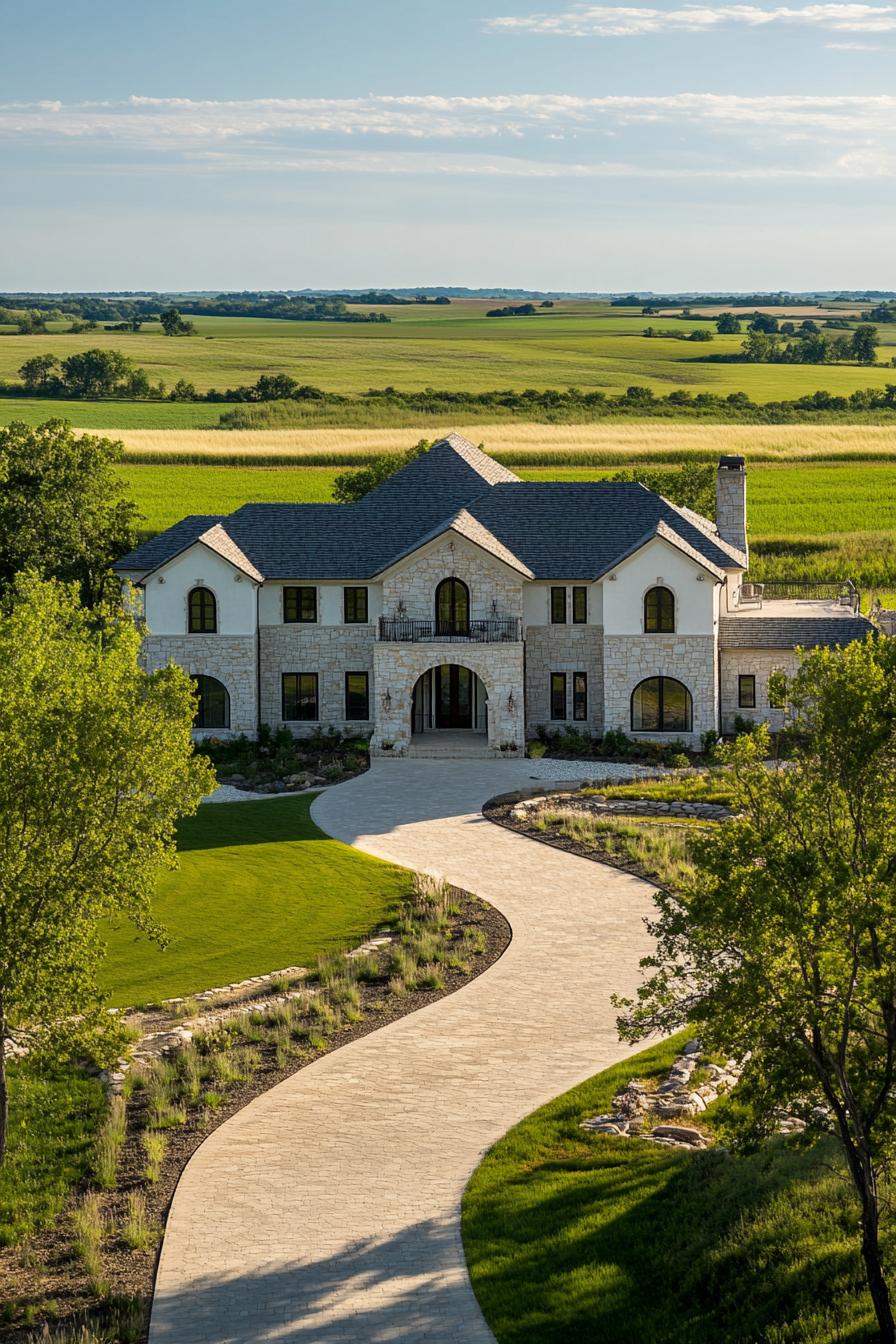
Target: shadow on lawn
point(703, 1249)
point(258, 821)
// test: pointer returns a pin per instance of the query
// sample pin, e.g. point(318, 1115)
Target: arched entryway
point(449, 698)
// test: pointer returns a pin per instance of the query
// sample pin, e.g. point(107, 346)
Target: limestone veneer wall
point(490, 582)
point(328, 650)
point(231, 659)
point(691, 659)
point(761, 663)
point(569, 649)
point(397, 668)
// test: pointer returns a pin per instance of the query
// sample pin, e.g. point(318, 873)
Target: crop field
point(100, 415)
point(808, 520)
point(455, 348)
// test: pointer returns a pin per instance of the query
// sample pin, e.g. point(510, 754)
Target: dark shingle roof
point(556, 530)
point(789, 632)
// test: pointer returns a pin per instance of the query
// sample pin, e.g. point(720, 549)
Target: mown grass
point(576, 1238)
point(99, 415)
point(713, 787)
point(258, 887)
point(54, 1112)
point(457, 347)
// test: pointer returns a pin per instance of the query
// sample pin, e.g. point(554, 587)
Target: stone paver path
point(327, 1211)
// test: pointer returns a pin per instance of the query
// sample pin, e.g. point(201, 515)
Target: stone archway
point(449, 697)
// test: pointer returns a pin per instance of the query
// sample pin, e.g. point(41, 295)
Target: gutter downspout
point(257, 661)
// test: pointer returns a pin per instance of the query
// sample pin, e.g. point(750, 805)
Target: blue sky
point(284, 143)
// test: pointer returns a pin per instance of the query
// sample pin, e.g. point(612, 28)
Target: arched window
point(661, 705)
point(452, 608)
point(213, 710)
point(203, 612)
point(659, 612)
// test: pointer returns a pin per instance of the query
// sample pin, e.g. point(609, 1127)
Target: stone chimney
point(731, 501)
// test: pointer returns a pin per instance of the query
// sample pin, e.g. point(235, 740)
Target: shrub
point(535, 750)
point(679, 761)
point(616, 743)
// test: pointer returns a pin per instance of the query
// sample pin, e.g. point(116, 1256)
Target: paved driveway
point(328, 1209)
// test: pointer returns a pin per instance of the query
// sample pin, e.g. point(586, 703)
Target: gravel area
point(229, 793)
point(546, 768)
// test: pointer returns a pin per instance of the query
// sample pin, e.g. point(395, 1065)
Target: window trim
point(662, 678)
point(298, 589)
point(561, 677)
point(741, 678)
point(210, 727)
point(358, 718)
point(580, 697)
point(580, 590)
point(299, 718)
point(555, 589)
point(355, 588)
point(659, 628)
point(199, 630)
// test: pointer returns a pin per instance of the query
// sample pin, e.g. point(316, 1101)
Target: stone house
point(457, 609)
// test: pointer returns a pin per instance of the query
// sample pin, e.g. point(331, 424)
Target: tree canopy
point(96, 765)
point(350, 486)
point(62, 511)
point(780, 950)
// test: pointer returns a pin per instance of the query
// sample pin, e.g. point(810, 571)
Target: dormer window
point(659, 612)
point(202, 612)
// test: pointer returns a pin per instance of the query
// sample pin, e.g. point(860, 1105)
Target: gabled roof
point(544, 529)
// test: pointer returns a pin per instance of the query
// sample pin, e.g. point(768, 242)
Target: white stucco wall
point(659, 563)
point(168, 589)
point(329, 600)
point(537, 601)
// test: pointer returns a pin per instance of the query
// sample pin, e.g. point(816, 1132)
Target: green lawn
point(576, 1238)
point(53, 1114)
point(584, 344)
point(259, 887)
point(120, 414)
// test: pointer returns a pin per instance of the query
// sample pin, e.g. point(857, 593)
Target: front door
point(454, 696)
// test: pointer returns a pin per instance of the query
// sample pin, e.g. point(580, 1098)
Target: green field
point(813, 520)
point(259, 888)
point(119, 414)
point(586, 345)
point(577, 1238)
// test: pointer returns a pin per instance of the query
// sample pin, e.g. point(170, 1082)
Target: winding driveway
point(328, 1210)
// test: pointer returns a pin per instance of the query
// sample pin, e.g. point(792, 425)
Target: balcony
point(498, 630)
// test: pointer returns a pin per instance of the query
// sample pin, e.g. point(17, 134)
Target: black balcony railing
point(499, 630)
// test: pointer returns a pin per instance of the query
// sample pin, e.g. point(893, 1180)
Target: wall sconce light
point(387, 701)
point(612, 578)
point(494, 606)
point(511, 703)
point(701, 578)
point(161, 578)
point(401, 608)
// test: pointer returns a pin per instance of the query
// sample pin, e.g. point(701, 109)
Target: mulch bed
point(552, 835)
point(45, 1271)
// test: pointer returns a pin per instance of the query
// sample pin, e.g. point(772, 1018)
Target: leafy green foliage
point(62, 512)
point(351, 486)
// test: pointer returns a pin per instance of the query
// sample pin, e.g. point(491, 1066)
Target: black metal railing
point(499, 630)
point(842, 592)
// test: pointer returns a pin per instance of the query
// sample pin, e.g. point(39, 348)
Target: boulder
point(682, 1133)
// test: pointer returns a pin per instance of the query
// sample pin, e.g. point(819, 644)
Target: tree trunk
point(4, 1089)
point(877, 1284)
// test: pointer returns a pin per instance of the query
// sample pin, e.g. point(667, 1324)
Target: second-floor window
point(354, 606)
point(579, 606)
point(558, 606)
point(299, 605)
point(452, 607)
point(659, 611)
point(202, 612)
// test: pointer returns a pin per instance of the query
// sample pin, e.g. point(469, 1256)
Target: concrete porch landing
point(451, 744)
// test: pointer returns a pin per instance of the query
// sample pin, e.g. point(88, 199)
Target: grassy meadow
point(456, 347)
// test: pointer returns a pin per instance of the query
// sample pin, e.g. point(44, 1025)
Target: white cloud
point(622, 21)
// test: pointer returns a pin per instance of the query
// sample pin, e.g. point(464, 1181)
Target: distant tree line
point(511, 310)
point(700, 334)
point(251, 303)
point(809, 347)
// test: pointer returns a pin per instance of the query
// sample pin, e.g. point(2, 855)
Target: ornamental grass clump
point(155, 1146)
point(109, 1143)
point(137, 1230)
point(88, 1227)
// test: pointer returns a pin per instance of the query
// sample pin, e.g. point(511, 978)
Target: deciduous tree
point(781, 949)
point(96, 765)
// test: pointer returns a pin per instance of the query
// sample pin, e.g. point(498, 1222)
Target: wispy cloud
point(623, 21)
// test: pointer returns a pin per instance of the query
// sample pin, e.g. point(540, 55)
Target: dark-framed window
point(452, 607)
point(202, 612)
point(558, 695)
point(746, 691)
point(579, 606)
point(299, 697)
point(354, 606)
point(558, 606)
point(300, 605)
point(580, 696)
point(213, 709)
point(659, 611)
point(357, 695)
point(661, 705)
